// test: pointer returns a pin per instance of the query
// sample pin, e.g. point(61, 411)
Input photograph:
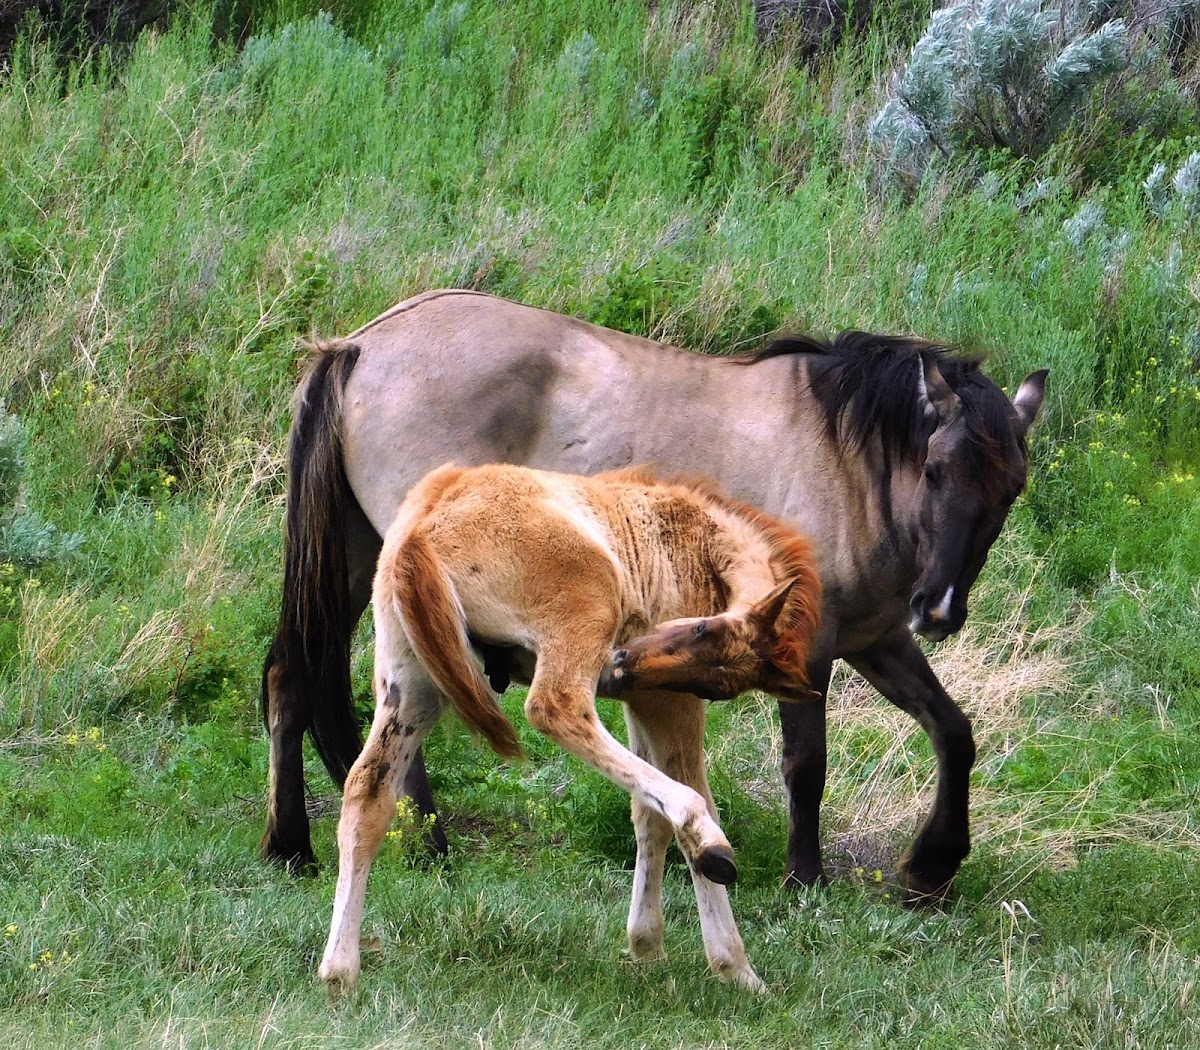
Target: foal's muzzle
point(615, 677)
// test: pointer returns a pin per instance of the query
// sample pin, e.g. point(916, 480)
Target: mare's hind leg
point(288, 697)
point(406, 709)
point(899, 670)
point(288, 715)
point(668, 730)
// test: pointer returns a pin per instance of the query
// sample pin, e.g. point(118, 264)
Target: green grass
point(175, 217)
point(139, 916)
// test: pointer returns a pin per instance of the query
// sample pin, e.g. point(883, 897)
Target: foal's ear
point(765, 613)
point(797, 694)
point(1029, 397)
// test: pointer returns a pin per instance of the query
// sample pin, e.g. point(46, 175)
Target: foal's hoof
point(715, 863)
point(749, 981)
point(338, 979)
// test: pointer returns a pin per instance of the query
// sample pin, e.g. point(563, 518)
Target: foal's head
point(719, 657)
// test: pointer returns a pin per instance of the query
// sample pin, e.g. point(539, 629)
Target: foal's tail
point(427, 604)
point(311, 648)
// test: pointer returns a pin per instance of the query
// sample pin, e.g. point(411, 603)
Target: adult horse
point(899, 460)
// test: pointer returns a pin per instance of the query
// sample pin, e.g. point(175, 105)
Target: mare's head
point(945, 450)
point(972, 469)
point(720, 657)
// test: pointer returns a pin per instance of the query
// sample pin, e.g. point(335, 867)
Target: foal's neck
point(744, 558)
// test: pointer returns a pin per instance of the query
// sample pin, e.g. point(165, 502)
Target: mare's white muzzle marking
point(942, 610)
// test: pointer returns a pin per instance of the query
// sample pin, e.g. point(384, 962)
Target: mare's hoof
point(715, 863)
point(295, 860)
point(923, 891)
point(921, 894)
point(797, 878)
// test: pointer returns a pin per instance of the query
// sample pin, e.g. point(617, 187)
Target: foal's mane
point(791, 556)
point(869, 388)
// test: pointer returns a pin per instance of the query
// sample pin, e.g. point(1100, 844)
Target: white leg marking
point(645, 925)
point(722, 943)
point(369, 799)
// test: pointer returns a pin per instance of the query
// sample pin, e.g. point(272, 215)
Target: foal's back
point(526, 546)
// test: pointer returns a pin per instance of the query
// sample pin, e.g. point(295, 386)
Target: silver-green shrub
point(1177, 199)
point(996, 73)
point(26, 539)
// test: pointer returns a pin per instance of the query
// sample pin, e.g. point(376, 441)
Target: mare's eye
point(698, 629)
point(933, 475)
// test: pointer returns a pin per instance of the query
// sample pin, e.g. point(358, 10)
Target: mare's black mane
point(869, 387)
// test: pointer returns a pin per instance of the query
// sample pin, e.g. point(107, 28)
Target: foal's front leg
point(561, 705)
point(668, 730)
point(406, 708)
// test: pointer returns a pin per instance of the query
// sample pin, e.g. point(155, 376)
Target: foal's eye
point(933, 475)
point(698, 629)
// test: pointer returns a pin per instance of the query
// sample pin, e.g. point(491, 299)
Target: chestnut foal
point(564, 567)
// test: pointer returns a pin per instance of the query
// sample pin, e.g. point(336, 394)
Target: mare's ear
point(763, 614)
point(936, 397)
point(1029, 397)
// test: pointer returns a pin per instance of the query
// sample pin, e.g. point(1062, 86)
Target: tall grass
point(175, 217)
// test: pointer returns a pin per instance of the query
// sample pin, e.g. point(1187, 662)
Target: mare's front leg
point(407, 707)
point(804, 761)
point(898, 669)
point(667, 729)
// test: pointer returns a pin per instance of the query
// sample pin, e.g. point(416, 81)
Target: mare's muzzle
point(937, 615)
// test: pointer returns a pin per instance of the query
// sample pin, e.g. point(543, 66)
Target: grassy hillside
point(175, 216)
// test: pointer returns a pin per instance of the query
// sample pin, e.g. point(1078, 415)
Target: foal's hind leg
point(561, 705)
point(668, 730)
point(407, 707)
